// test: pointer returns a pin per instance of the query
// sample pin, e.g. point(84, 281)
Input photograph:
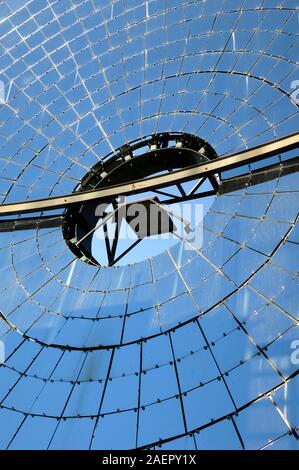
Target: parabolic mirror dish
point(192, 347)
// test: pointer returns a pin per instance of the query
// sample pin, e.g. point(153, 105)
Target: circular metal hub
point(153, 155)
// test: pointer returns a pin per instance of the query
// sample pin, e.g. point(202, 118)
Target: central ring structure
point(153, 155)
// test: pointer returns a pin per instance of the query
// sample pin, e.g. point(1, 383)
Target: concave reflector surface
point(196, 340)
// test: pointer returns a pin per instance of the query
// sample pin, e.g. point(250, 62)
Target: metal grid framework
point(199, 341)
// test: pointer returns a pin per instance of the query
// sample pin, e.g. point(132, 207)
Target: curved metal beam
point(204, 169)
